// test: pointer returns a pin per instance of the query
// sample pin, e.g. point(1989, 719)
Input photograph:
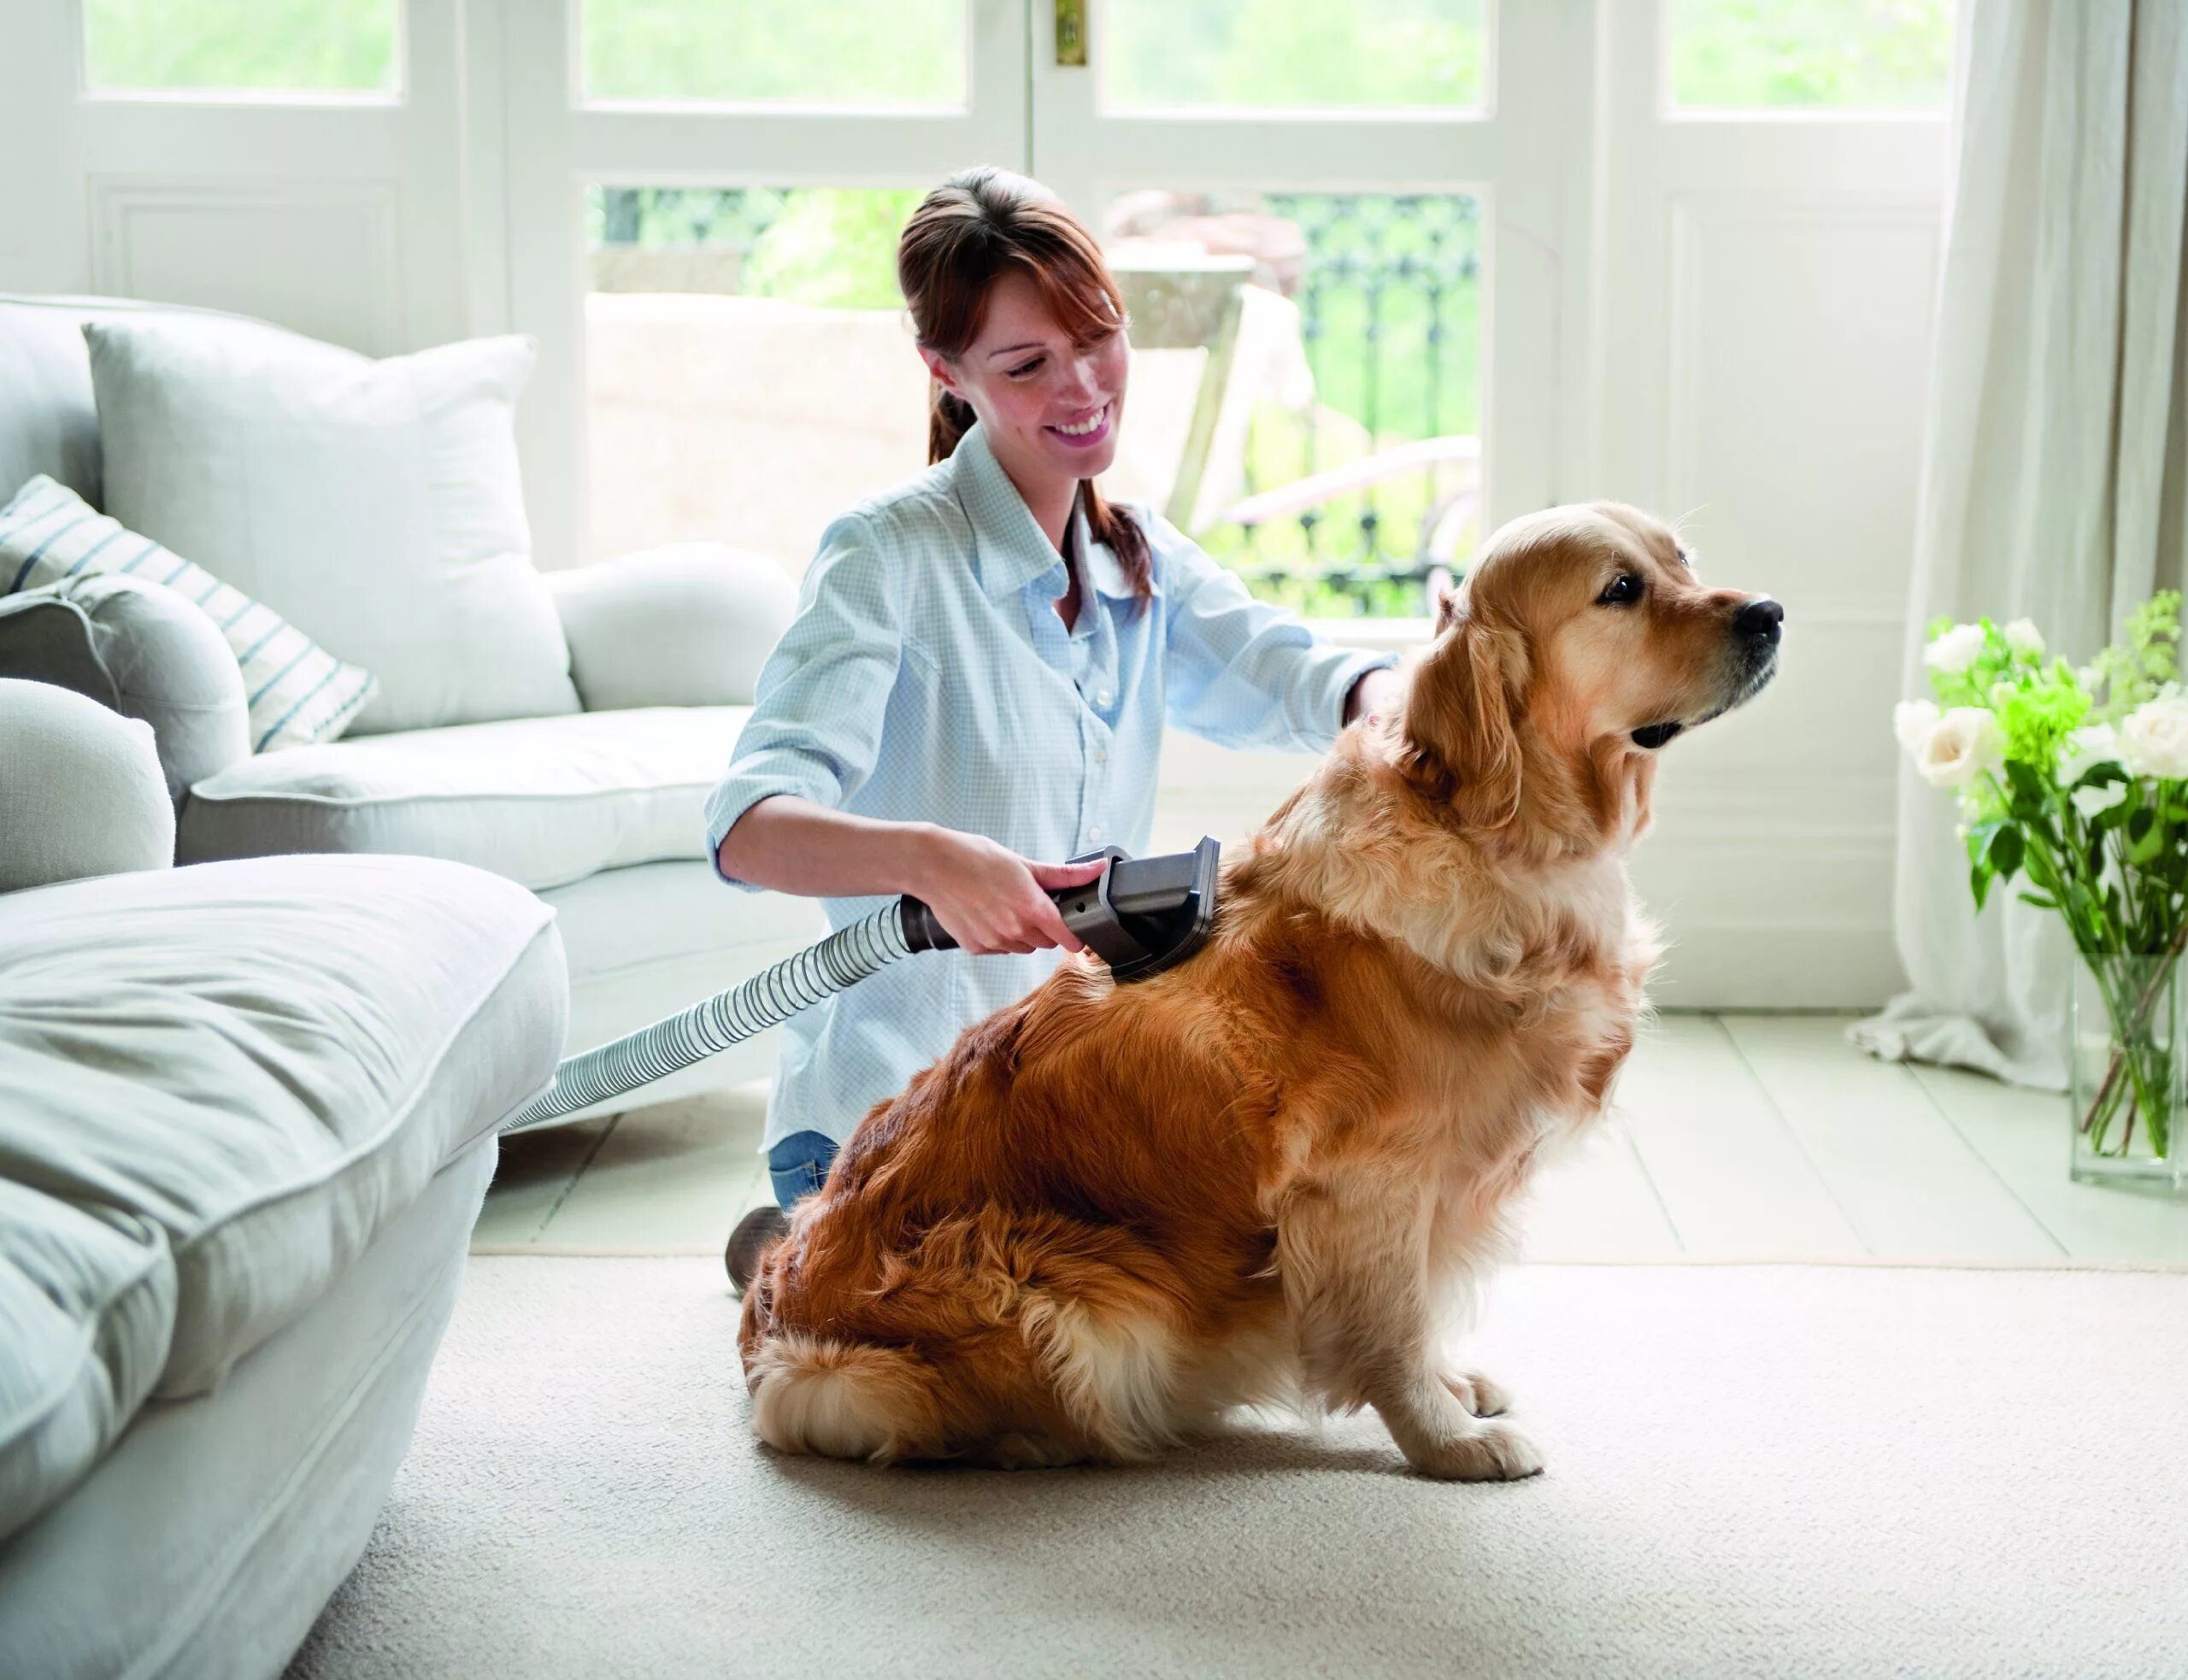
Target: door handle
point(1071, 32)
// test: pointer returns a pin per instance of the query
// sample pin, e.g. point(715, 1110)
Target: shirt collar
point(1012, 549)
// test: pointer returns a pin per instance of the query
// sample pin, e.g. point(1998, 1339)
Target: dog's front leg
point(1354, 1255)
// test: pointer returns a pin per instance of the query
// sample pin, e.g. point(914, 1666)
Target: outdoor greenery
point(872, 52)
point(1871, 54)
point(307, 45)
point(1285, 53)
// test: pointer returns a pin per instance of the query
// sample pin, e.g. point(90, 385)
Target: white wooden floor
point(1738, 1137)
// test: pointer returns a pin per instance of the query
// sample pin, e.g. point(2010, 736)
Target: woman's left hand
point(1373, 695)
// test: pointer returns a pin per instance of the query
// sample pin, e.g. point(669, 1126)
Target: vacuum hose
point(1149, 920)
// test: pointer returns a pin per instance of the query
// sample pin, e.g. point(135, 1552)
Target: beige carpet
point(1752, 1471)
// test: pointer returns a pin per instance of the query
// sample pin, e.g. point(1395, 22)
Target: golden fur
point(1110, 1213)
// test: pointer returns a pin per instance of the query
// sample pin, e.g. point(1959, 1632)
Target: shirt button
point(1094, 834)
point(1103, 698)
point(1100, 755)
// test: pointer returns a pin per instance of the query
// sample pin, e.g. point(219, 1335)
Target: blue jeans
point(799, 1164)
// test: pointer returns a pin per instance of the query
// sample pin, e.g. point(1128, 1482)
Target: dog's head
point(1581, 643)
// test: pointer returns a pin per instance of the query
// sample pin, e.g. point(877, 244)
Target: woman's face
point(1050, 407)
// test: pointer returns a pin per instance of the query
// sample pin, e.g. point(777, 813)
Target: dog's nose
point(1759, 617)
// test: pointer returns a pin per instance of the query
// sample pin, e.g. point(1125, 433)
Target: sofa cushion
point(297, 692)
point(544, 800)
point(81, 790)
point(375, 505)
point(216, 1085)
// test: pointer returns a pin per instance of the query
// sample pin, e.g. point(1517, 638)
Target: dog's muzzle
point(1757, 629)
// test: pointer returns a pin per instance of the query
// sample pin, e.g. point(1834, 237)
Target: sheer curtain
point(2056, 465)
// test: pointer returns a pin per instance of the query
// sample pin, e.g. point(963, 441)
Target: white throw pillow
point(297, 692)
point(376, 505)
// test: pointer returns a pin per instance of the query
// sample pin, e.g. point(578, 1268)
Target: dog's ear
point(1461, 746)
point(1443, 598)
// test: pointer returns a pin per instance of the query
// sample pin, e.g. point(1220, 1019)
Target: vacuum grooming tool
point(1139, 915)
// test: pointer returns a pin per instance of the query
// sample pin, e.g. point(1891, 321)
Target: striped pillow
point(298, 692)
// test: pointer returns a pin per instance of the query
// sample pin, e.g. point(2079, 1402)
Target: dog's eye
point(1624, 589)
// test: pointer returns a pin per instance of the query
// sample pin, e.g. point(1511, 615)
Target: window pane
point(820, 52)
point(1856, 54)
point(287, 46)
point(1327, 446)
point(1290, 53)
point(750, 366)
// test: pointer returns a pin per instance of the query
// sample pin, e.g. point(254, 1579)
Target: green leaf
point(2039, 901)
point(2006, 852)
point(2025, 781)
point(1978, 883)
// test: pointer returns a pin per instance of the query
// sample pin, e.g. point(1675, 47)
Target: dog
point(1278, 1174)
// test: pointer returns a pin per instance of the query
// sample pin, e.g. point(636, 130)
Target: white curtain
point(2056, 465)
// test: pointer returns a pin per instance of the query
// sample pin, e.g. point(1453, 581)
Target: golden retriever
point(1110, 1213)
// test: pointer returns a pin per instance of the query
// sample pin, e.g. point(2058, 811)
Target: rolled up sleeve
point(1242, 672)
point(821, 697)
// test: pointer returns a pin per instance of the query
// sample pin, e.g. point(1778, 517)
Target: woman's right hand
point(991, 899)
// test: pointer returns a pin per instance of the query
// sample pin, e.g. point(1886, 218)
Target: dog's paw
point(1480, 1396)
point(1493, 1453)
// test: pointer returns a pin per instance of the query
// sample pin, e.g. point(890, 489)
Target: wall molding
point(119, 205)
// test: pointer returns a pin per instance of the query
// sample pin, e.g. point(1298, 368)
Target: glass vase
point(2126, 1086)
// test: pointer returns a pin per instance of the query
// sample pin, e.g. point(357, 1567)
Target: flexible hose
point(843, 959)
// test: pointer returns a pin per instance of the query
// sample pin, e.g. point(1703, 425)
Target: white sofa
point(598, 811)
point(247, 1115)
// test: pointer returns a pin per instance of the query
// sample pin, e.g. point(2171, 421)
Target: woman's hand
point(991, 900)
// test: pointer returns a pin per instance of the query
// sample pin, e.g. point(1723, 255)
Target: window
point(1290, 54)
point(749, 369)
point(253, 46)
point(1341, 457)
point(1744, 55)
point(874, 54)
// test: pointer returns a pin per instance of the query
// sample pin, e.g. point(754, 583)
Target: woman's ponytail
point(1119, 532)
point(949, 417)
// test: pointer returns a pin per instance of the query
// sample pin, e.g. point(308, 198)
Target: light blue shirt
point(928, 678)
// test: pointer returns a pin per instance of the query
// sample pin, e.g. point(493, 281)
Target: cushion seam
point(367, 801)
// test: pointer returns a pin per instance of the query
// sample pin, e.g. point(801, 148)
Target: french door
point(1500, 253)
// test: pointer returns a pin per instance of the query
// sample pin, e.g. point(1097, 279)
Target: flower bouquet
point(2076, 780)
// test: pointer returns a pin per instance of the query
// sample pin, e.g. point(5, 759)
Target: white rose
point(2084, 749)
point(2094, 803)
point(2154, 740)
point(1912, 720)
point(1952, 652)
point(2024, 638)
point(1962, 746)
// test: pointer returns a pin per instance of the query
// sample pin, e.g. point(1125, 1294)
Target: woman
point(981, 668)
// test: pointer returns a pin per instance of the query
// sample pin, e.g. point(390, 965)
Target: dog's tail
point(811, 1394)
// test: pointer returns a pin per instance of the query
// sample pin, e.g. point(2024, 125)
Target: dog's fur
point(1109, 1213)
